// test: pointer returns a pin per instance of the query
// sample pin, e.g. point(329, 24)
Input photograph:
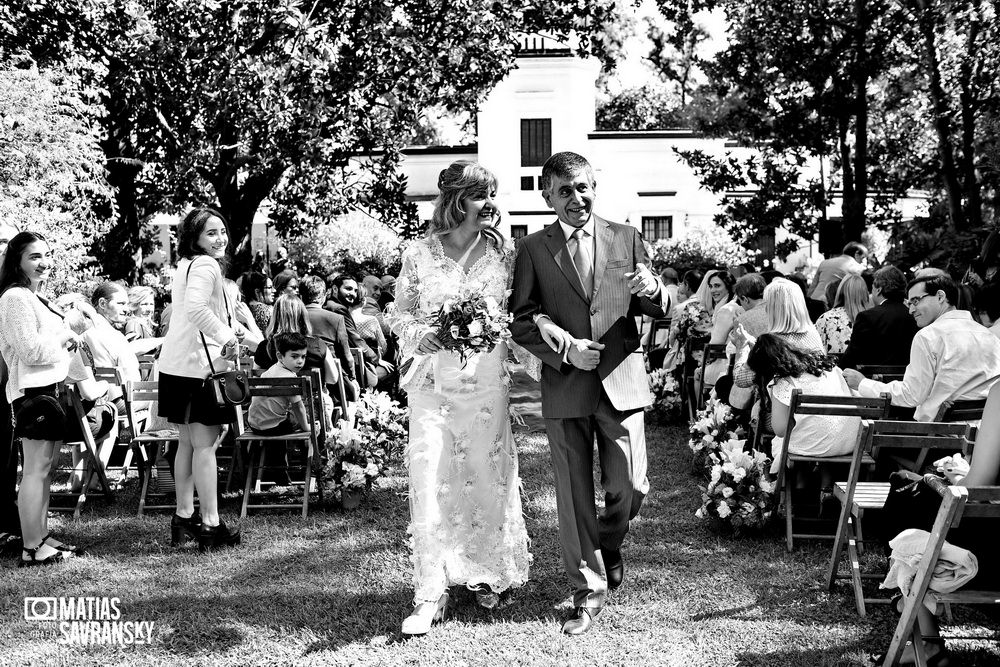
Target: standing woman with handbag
point(35, 344)
point(203, 338)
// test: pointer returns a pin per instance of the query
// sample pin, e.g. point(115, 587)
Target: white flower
point(766, 486)
point(700, 513)
point(727, 492)
point(475, 328)
point(723, 509)
point(739, 474)
point(716, 474)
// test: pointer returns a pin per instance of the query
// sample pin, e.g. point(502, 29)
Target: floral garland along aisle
point(739, 494)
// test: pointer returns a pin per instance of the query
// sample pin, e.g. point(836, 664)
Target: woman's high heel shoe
point(216, 537)
point(182, 530)
point(424, 615)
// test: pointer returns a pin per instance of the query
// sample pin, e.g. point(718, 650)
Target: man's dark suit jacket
point(882, 336)
point(370, 356)
point(331, 328)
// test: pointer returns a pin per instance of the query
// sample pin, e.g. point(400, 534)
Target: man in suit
point(343, 293)
point(331, 329)
point(572, 281)
point(882, 335)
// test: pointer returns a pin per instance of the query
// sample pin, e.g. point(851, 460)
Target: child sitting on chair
point(281, 415)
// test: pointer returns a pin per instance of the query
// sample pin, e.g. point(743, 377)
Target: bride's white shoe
point(424, 615)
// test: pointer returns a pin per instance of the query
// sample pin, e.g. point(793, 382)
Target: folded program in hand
point(620, 340)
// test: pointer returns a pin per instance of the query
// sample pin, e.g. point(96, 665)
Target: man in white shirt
point(834, 269)
point(952, 356)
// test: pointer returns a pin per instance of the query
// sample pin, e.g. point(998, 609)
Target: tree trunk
point(855, 207)
point(942, 117)
point(969, 107)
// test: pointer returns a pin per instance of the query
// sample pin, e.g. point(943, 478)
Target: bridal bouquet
point(666, 395)
point(739, 493)
point(714, 425)
point(468, 326)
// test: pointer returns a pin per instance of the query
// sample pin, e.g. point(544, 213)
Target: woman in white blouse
point(36, 345)
point(203, 317)
point(724, 311)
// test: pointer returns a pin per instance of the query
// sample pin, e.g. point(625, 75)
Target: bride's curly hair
point(461, 179)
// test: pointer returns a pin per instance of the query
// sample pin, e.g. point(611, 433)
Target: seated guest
point(976, 535)
point(692, 317)
point(987, 305)
point(258, 294)
point(727, 309)
point(835, 325)
point(280, 415)
point(881, 335)
point(815, 307)
point(749, 292)
point(787, 318)
point(952, 357)
point(110, 347)
point(343, 293)
point(289, 316)
point(331, 329)
point(783, 368)
point(373, 291)
point(388, 292)
point(670, 280)
point(139, 322)
point(371, 331)
point(834, 269)
point(286, 282)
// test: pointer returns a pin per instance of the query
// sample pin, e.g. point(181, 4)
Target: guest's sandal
point(71, 549)
point(34, 560)
point(940, 659)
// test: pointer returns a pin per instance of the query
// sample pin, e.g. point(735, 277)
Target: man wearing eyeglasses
point(952, 357)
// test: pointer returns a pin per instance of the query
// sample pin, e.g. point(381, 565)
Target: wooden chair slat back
point(956, 411)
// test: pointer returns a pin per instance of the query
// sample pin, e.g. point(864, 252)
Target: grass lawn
point(333, 589)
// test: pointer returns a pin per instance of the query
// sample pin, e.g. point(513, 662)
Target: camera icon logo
point(41, 609)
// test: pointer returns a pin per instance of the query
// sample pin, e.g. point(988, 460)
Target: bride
point(466, 526)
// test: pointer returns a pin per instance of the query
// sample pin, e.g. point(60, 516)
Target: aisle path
point(333, 589)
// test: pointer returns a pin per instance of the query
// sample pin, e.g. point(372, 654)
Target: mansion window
point(518, 232)
point(536, 141)
point(656, 227)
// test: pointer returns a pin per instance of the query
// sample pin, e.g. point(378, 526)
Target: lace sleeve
point(404, 316)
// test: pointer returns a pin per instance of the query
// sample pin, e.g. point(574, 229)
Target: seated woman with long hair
point(725, 310)
point(835, 325)
point(782, 368)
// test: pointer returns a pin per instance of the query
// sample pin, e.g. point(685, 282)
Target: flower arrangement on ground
point(360, 452)
point(714, 425)
point(739, 493)
point(666, 395)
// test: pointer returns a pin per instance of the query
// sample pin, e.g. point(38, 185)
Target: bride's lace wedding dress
point(466, 525)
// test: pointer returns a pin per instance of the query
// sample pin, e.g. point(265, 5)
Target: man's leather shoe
point(580, 621)
point(614, 567)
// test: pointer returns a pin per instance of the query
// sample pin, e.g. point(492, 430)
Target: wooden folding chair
point(359, 366)
point(880, 439)
point(146, 441)
point(92, 466)
point(810, 404)
point(957, 503)
point(133, 420)
point(147, 366)
point(961, 411)
point(882, 373)
point(656, 326)
point(710, 353)
point(297, 386)
point(688, 370)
